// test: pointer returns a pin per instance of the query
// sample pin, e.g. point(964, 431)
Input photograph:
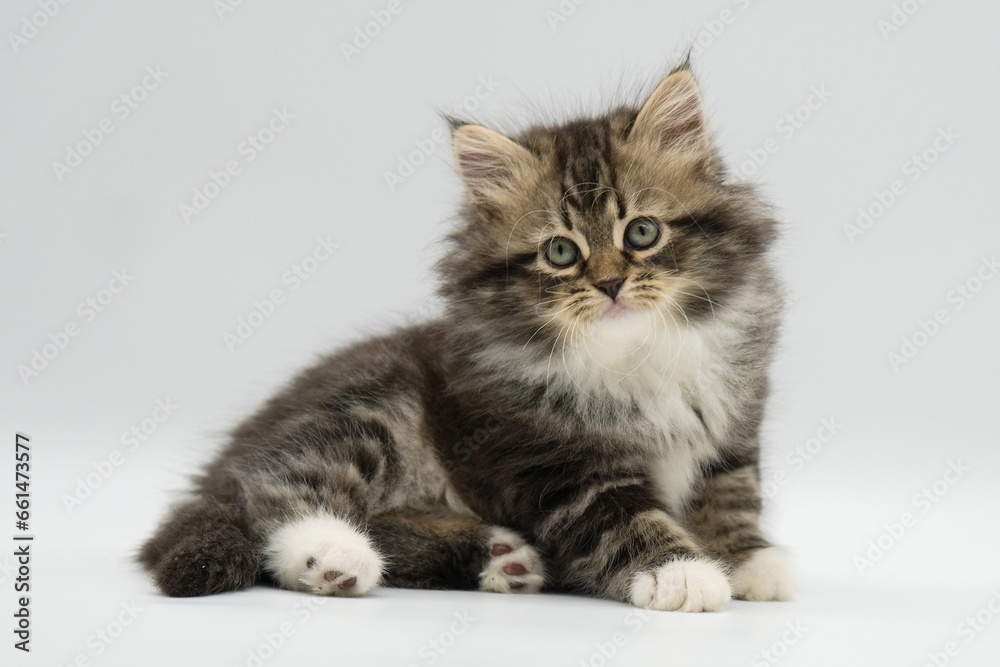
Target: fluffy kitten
point(585, 416)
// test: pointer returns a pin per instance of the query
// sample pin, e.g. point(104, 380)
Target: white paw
point(323, 555)
point(767, 575)
point(682, 585)
point(513, 567)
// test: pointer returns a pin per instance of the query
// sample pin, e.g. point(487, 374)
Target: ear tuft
point(673, 114)
point(454, 122)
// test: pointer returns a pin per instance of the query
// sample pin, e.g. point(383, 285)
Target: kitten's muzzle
point(610, 287)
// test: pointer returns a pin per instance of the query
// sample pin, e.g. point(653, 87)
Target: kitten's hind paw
point(324, 555)
point(682, 585)
point(766, 575)
point(513, 566)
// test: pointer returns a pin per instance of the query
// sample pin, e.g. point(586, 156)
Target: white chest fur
point(677, 377)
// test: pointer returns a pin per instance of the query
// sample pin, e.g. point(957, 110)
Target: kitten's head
point(600, 223)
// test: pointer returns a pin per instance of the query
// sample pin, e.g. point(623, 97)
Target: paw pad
point(513, 566)
point(324, 555)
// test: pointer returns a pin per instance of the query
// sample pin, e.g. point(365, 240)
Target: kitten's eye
point(641, 233)
point(562, 252)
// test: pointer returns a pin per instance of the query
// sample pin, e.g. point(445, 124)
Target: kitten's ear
point(673, 114)
point(492, 166)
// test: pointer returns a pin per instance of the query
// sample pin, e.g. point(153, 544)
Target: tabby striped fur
point(591, 427)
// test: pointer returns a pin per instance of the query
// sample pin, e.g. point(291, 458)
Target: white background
point(890, 94)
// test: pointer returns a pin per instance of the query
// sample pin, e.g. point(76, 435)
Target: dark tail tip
point(188, 557)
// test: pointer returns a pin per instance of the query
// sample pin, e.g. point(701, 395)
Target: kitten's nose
point(611, 287)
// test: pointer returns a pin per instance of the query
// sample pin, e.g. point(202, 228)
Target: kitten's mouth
point(616, 309)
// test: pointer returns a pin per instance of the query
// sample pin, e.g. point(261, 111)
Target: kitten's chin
point(621, 312)
point(620, 325)
point(617, 310)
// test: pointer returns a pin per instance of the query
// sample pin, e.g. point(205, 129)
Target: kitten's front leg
point(725, 516)
point(614, 540)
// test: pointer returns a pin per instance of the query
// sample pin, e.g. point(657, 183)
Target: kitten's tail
point(200, 550)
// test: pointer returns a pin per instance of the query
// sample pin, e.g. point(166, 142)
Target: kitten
point(585, 416)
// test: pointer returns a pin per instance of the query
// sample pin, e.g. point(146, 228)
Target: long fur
point(609, 441)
